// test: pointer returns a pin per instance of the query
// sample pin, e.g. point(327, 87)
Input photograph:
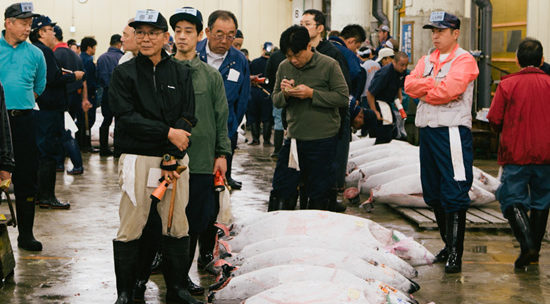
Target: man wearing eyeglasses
point(53, 102)
point(217, 51)
point(153, 101)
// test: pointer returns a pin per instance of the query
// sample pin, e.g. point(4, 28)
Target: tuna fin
point(223, 228)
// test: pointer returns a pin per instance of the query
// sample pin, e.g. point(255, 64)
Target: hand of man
point(302, 92)
point(179, 137)
point(86, 105)
point(78, 75)
point(220, 163)
point(286, 86)
point(378, 115)
point(170, 176)
point(4, 175)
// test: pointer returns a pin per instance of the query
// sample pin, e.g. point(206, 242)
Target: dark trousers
point(384, 133)
point(439, 187)
point(315, 158)
point(23, 137)
point(201, 209)
point(50, 127)
point(229, 158)
point(107, 118)
point(76, 106)
point(342, 150)
point(259, 108)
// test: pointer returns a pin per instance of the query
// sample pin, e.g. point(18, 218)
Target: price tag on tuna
point(147, 15)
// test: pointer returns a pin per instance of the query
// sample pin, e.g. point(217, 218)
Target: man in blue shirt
point(23, 75)
point(216, 50)
point(106, 63)
point(88, 46)
point(384, 88)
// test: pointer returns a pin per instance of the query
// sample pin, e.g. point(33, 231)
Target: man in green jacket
point(210, 142)
point(311, 87)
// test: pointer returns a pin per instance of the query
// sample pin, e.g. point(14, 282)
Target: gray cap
point(20, 10)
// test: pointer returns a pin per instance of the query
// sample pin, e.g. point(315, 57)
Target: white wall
point(258, 19)
point(344, 12)
point(418, 11)
point(538, 23)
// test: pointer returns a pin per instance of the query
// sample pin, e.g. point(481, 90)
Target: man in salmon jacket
point(444, 83)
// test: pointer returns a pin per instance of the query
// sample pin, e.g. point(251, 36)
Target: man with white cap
point(152, 99)
point(383, 90)
point(383, 36)
point(211, 145)
point(385, 56)
point(444, 82)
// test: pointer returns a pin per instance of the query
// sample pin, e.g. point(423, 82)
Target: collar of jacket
point(229, 60)
point(434, 57)
point(527, 70)
point(115, 50)
point(337, 40)
point(144, 59)
point(193, 64)
point(312, 62)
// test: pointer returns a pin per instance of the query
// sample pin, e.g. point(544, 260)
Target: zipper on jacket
point(154, 78)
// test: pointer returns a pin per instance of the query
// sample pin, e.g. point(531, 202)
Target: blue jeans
point(315, 158)
point(525, 184)
point(436, 169)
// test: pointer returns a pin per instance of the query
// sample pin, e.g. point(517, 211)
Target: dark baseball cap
point(239, 34)
point(268, 46)
point(58, 32)
point(149, 17)
point(443, 20)
point(187, 13)
point(41, 21)
point(20, 10)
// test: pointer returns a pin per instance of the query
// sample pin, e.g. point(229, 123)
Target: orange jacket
point(463, 71)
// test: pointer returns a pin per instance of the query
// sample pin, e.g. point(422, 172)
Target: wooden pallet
point(476, 217)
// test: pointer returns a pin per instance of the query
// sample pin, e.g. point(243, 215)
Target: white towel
point(385, 111)
point(128, 177)
point(293, 155)
point(456, 154)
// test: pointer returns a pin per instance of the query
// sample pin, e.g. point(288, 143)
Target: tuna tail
point(211, 297)
point(414, 287)
point(224, 278)
point(368, 205)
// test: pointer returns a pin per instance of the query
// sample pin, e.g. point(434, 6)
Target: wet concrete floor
point(76, 265)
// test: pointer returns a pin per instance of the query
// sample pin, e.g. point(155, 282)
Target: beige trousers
point(134, 217)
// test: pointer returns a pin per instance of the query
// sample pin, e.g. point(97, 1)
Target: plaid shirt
point(7, 162)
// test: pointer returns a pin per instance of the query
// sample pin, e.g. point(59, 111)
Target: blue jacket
point(106, 63)
point(22, 73)
point(54, 97)
point(354, 63)
point(237, 92)
point(91, 74)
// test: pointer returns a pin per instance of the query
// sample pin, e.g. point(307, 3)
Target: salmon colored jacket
point(463, 71)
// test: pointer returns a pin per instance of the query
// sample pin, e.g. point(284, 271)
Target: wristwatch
point(167, 157)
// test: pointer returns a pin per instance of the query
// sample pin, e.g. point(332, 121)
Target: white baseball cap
point(383, 53)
